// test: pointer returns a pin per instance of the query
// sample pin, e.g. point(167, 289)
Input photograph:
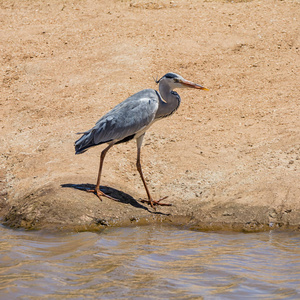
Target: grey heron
point(130, 119)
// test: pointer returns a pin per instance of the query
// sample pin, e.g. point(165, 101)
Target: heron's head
point(174, 81)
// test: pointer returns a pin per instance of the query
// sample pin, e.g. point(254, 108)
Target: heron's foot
point(100, 194)
point(153, 203)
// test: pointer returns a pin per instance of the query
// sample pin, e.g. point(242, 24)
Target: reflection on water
point(153, 262)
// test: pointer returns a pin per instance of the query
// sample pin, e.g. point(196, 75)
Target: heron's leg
point(97, 187)
point(150, 201)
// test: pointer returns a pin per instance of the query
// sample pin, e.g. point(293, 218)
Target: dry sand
point(228, 159)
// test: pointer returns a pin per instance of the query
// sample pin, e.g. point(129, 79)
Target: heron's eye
point(176, 80)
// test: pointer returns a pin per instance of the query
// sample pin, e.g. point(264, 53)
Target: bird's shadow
point(119, 195)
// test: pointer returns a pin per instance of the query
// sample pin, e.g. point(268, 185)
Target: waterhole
point(149, 262)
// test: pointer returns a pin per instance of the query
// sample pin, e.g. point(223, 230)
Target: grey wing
point(126, 119)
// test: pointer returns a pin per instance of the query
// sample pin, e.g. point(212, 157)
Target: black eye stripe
point(170, 75)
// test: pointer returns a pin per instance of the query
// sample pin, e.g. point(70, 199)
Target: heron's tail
point(85, 142)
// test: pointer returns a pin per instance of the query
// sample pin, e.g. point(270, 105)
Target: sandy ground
point(228, 159)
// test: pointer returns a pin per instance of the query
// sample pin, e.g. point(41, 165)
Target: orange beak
point(191, 84)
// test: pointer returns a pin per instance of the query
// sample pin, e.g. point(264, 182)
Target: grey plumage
point(126, 119)
point(131, 118)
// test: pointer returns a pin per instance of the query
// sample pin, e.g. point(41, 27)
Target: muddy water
point(153, 262)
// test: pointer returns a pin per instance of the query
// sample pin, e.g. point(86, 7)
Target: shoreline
point(53, 208)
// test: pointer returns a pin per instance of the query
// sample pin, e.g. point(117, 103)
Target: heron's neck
point(168, 103)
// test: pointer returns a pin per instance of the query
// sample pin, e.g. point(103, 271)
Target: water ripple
point(149, 263)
